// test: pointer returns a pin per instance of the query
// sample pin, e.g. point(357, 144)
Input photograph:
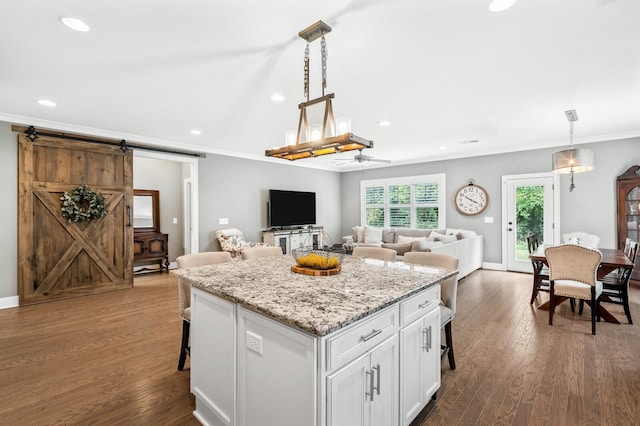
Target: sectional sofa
point(466, 245)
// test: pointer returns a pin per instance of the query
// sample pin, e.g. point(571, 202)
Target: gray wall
point(164, 176)
point(238, 189)
point(8, 214)
point(591, 207)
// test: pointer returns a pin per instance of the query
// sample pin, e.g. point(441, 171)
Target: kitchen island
point(272, 347)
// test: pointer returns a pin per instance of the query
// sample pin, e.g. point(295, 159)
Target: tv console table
point(289, 239)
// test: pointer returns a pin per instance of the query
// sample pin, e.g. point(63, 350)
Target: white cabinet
point(276, 376)
point(420, 354)
point(215, 382)
point(365, 392)
point(248, 369)
point(291, 239)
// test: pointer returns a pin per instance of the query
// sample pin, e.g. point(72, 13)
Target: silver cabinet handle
point(370, 393)
point(425, 340)
point(428, 338)
point(377, 386)
point(425, 304)
point(371, 335)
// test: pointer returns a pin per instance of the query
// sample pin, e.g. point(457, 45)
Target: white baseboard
point(494, 266)
point(9, 302)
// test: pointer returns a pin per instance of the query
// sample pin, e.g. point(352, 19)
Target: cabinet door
point(430, 368)
point(412, 394)
point(384, 382)
point(347, 402)
point(420, 364)
point(213, 357)
point(298, 240)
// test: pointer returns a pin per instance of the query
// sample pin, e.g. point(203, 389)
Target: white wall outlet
point(254, 342)
point(223, 221)
point(488, 219)
point(175, 220)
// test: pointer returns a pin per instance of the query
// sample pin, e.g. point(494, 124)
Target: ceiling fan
point(362, 158)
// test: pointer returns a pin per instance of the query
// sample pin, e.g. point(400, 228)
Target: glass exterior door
point(529, 211)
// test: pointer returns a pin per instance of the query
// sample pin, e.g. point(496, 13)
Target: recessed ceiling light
point(277, 97)
point(500, 5)
point(471, 141)
point(47, 103)
point(442, 148)
point(74, 23)
point(384, 123)
point(196, 132)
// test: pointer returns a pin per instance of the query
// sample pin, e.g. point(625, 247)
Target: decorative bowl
point(317, 259)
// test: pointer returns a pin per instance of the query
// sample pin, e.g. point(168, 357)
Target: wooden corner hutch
point(628, 191)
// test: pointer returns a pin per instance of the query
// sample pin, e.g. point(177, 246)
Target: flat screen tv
point(291, 208)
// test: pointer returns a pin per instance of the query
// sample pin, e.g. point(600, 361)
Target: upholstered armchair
point(232, 240)
point(184, 292)
point(581, 239)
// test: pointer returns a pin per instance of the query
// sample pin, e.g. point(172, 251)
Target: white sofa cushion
point(424, 245)
point(403, 239)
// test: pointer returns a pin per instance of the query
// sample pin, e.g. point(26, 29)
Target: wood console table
point(151, 247)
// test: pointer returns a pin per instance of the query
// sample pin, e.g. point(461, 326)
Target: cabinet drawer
point(358, 338)
point(420, 304)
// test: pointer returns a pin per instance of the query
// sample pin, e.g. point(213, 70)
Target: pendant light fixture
point(572, 160)
point(314, 140)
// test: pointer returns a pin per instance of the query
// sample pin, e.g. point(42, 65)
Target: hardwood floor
point(111, 359)
point(513, 368)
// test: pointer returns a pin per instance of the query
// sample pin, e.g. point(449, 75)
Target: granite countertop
point(316, 304)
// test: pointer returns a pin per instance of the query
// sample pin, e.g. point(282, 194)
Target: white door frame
point(505, 213)
point(191, 165)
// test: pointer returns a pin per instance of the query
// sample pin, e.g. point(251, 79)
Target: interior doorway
point(530, 205)
point(189, 200)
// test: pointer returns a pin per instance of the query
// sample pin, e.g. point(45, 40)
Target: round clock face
point(471, 199)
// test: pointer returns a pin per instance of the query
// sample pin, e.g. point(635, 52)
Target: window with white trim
point(407, 202)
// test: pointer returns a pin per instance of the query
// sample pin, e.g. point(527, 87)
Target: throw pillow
point(424, 245)
point(372, 235)
point(446, 239)
point(403, 248)
point(435, 235)
point(388, 234)
point(358, 234)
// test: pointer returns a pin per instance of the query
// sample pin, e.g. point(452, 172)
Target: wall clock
point(471, 199)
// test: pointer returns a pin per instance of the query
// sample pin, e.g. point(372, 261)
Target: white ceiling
point(442, 71)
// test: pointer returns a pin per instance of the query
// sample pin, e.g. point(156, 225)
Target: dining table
point(612, 259)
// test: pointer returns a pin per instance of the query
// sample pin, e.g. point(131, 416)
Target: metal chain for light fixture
point(329, 141)
point(572, 119)
point(306, 72)
point(323, 45)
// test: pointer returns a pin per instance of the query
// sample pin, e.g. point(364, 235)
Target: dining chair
point(448, 294)
point(379, 253)
point(580, 238)
point(184, 292)
point(540, 271)
point(615, 286)
point(573, 273)
point(257, 252)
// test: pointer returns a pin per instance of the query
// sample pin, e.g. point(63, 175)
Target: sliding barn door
point(58, 259)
